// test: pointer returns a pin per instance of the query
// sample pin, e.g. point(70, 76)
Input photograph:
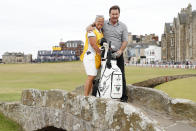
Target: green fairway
point(138, 74)
point(16, 77)
point(67, 76)
point(182, 88)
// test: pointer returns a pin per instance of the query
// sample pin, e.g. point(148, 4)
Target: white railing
point(165, 66)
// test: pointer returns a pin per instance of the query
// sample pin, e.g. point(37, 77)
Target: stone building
point(179, 39)
point(142, 38)
point(13, 58)
point(168, 49)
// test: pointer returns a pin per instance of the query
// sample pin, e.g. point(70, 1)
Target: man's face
point(114, 15)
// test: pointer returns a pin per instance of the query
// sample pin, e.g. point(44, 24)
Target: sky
point(30, 25)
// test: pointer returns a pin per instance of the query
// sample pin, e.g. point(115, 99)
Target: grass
point(67, 76)
point(8, 125)
point(181, 88)
point(16, 77)
point(137, 74)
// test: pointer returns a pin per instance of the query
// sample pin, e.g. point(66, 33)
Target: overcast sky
point(31, 25)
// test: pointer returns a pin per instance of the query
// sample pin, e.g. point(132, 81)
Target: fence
point(165, 66)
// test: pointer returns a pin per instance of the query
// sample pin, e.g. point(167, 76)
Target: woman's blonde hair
point(99, 16)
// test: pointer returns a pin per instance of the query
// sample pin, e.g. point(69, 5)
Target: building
point(75, 46)
point(13, 58)
point(66, 51)
point(132, 39)
point(153, 54)
point(137, 53)
point(56, 56)
point(179, 39)
point(167, 43)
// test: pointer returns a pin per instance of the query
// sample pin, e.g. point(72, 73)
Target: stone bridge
point(147, 110)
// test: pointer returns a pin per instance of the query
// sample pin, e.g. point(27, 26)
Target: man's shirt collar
point(108, 22)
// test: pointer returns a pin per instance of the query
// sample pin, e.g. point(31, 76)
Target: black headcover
point(103, 40)
point(109, 56)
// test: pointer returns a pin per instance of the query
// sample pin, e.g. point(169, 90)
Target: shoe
point(123, 100)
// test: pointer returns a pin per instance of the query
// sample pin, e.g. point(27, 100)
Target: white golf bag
point(110, 80)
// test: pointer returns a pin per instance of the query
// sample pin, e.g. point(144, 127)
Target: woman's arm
point(92, 41)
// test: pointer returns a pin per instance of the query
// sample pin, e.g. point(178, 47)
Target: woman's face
point(99, 23)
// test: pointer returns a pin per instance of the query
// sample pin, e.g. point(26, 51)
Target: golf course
point(68, 75)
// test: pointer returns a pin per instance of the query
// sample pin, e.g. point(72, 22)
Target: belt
point(88, 52)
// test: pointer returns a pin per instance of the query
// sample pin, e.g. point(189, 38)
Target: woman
point(91, 54)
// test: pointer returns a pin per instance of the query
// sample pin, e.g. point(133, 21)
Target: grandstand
point(66, 51)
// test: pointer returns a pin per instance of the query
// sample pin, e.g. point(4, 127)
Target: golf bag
point(109, 83)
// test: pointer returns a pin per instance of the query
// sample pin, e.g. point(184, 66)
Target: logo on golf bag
point(101, 89)
point(117, 88)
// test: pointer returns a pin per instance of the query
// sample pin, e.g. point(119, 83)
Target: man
point(116, 32)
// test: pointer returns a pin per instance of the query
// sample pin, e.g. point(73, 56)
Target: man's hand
point(122, 48)
point(90, 28)
point(119, 53)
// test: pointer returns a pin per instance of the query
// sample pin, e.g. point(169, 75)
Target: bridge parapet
point(73, 112)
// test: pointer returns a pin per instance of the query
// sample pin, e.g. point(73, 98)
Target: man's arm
point(125, 41)
point(90, 27)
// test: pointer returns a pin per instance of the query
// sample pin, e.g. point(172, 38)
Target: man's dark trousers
point(121, 65)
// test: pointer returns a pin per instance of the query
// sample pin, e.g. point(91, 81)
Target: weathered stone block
point(32, 97)
point(184, 108)
point(55, 98)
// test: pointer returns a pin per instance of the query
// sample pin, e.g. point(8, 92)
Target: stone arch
point(50, 128)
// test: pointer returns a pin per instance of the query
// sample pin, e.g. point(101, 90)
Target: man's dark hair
point(115, 7)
